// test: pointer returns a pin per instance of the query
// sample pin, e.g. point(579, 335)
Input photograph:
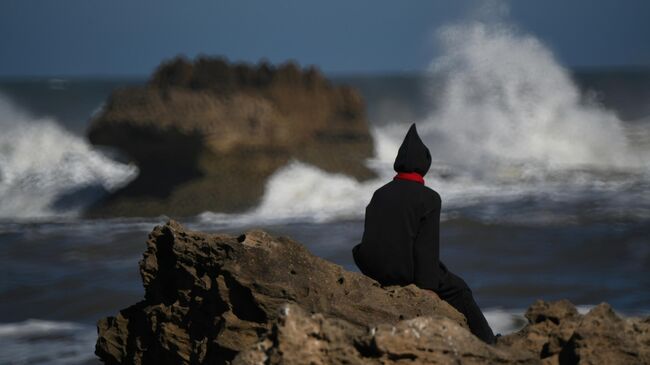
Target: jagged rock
point(207, 297)
point(258, 299)
point(602, 337)
point(556, 334)
point(207, 135)
point(559, 335)
point(301, 338)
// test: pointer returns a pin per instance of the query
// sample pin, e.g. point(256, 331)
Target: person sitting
point(400, 243)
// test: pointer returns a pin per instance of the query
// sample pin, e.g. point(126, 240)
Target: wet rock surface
point(259, 299)
point(207, 134)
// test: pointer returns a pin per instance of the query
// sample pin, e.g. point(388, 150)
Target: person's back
point(400, 243)
point(392, 237)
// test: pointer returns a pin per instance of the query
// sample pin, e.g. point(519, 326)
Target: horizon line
point(335, 74)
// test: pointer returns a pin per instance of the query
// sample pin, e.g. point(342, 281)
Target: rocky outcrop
point(301, 338)
point(559, 335)
point(555, 334)
point(207, 297)
point(258, 299)
point(206, 135)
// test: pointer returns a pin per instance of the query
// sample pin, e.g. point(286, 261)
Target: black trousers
point(455, 291)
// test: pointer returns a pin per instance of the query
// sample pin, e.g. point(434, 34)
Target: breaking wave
point(506, 99)
point(47, 171)
point(508, 122)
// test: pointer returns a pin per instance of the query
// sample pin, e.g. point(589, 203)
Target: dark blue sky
point(131, 37)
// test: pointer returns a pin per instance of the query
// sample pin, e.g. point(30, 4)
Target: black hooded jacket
point(400, 242)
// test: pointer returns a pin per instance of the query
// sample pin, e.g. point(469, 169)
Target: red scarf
point(413, 176)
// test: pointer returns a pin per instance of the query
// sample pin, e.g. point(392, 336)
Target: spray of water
point(503, 98)
point(505, 111)
point(508, 122)
point(40, 162)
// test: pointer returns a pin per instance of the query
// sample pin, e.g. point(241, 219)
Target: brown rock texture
point(559, 335)
point(301, 338)
point(207, 134)
point(207, 297)
point(259, 299)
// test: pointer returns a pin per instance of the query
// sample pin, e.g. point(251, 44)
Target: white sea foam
point(508, 123)
point(338, 196)
point(46, 342)
point(506, 99)
point(35, 326)
point(505, 321)
point(299, 191)
point(40, 162)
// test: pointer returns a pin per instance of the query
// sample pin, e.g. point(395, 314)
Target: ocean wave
point(509, 127)
point(503, 99)
point(47, 171)
point(302, 193)
point(37, 341)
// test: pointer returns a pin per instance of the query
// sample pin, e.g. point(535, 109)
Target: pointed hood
point(413, 155)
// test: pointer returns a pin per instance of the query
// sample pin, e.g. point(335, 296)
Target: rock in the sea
point(206, 135)
point(258, 299)
point(208, 297)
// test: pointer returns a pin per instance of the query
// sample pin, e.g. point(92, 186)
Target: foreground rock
point(258, 299)
point(301, 338)
point(207, 297)
point(207, 135)
point(556, 334)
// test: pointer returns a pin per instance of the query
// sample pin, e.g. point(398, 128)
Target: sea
point(543, 172)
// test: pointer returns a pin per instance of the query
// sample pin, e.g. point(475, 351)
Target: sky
point(131, 37)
